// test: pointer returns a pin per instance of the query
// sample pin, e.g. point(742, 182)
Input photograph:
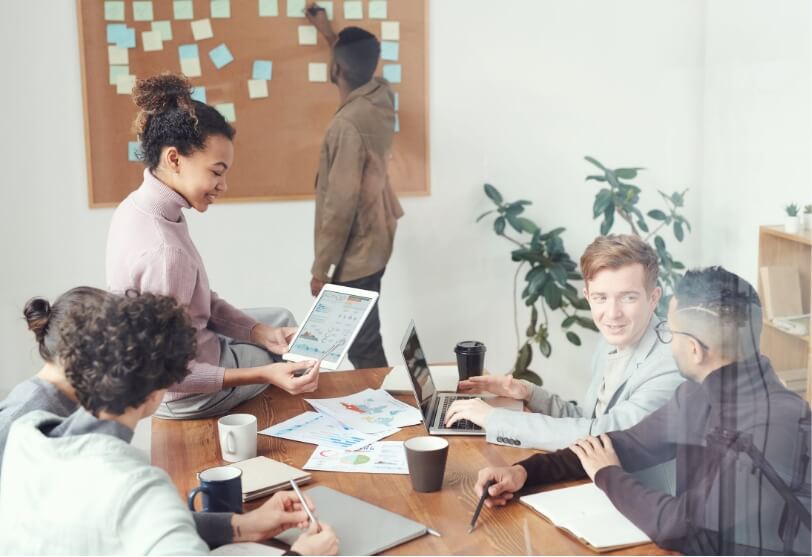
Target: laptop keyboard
point(463, 425)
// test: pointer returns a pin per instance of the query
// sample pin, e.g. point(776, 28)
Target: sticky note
point(132, 151)
point(377, 9)
point(116, 71)
point(142, 10)
point(263, 69)
point(152, 41)
point(190, 67)
point(397, 102)
point(227, 110)
point(188, 51)
point(221, 9)
point(353, 9)
point(201, 29)
point(114, 11)
point(391, 73)
point(120, 35)
point(390, 30)
point(221, 56)
point(257, 88)
point(389, 50)
point(317, 72)
point(307, 34)
point(125, 84)
point(296, 8)
point(397, 123)
point(117, 55)
point(164, 28)
point(183, 9)
point(268, 8)
point(199, 94)
point(328, 7)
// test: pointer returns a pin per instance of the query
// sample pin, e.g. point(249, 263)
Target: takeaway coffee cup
point(426, 457)
point(221, 487)
point(470, 358)
point(238, 437)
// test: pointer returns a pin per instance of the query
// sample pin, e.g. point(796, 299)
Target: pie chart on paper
point(355, 459)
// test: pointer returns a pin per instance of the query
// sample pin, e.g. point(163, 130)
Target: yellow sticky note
point(114, 10)
point(353, 9)
point(307, 34)
point(164, 28)
point(142, 10)
point(257, 88)
point(227, 110)
point(152, 41)
point(125, 84)
point(377, 9)
point(390, 30)
point(117, 55)
point(317, 72)
point(201, 29)
point(190, 67)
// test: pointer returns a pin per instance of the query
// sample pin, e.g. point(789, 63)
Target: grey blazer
point(649, 382)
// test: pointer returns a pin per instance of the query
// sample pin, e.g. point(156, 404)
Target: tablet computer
point(331, 325)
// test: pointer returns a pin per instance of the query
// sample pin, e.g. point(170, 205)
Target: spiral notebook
point(263, 476)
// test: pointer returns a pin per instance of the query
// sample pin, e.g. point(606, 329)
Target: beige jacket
point(356, 207)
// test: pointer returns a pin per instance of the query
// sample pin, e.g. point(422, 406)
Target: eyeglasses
point(665, 334)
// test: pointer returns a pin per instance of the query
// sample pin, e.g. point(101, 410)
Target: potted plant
point(808, 217)
point(791, 221)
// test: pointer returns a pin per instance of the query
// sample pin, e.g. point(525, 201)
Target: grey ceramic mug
point(426, 457)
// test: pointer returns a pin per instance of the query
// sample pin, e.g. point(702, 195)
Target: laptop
point(434, 404)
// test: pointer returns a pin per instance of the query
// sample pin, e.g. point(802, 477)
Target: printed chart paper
point(323, 430)
point(383, 457)
point(370, 411)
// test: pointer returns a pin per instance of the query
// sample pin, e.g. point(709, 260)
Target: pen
point(304, 505)
point(323, 355)
point(479, 505)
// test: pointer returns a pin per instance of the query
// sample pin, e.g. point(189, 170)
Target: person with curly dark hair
point(120, 354)
point(49, 389)
point(187, 148)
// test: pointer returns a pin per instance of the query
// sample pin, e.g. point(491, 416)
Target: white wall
point(520, 91)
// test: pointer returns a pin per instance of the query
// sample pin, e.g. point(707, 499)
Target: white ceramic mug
point(238, 436)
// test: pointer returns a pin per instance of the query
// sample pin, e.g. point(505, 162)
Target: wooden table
point(183, 448)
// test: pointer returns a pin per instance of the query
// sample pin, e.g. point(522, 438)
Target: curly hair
point(169, 117)
point(118, 352)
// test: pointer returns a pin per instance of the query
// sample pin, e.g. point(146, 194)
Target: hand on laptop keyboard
point(472, 410)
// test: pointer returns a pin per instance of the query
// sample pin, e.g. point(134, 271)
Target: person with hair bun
point(49, 389)
point(187, 148)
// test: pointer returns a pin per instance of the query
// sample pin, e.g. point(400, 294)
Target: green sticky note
point(133, 151)
point(227, 110)
point(142, 10)
point(268, 8)
point(353, 9)
point(328, 7)
point(377, 9)
point(296, 8)
point(164, 28)
point(183, 9)
point(221, 9)
point(114, 11)
point(116, 71)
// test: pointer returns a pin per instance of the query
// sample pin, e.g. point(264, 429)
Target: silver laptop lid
point(419, 373)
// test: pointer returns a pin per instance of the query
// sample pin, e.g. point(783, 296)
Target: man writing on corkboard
point(356, 207)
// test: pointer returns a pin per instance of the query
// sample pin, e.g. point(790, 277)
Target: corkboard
point(278, 138)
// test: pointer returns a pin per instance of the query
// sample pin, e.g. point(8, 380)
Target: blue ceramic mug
point(221, 487)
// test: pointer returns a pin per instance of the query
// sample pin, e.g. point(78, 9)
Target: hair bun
point(161, 93)
point(37, 314)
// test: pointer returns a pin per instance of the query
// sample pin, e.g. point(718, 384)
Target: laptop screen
point(418, 369)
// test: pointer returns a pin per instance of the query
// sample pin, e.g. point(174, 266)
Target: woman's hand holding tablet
point(273, 339)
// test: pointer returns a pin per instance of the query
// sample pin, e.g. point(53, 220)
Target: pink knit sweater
point(149, 249)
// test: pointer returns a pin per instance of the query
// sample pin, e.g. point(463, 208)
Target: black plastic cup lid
point(469, 347)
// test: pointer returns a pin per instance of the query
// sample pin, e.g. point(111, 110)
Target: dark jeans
point(367, 350)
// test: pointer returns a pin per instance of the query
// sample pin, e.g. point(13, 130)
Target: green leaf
point(553, 232)
point(528, 375)
point(582, 303)
point(559, 274)
point(596, 177)
point(656, 214)
point(608, 219)
point(602, 200)
point(499, 225)
point(527, 225)
point(552, 295)
point(545, 348)
point(514, 209)
point(568, 322)
point(483, 215)
point(595, 162)
point(493, 194)
point(610, 176)
point(627, 173)
point(586, 323)
point(678, 233)
point(573, 338)
point(514, 222)
point(534, 317)
point(642, 225)
point(659, 243)
point(678, 266)
point(524, 358)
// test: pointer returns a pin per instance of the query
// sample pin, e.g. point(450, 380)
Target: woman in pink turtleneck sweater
point(187, 148)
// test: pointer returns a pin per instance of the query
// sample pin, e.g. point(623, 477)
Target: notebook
point(246, 548)
point(587, 513)
point(362, 528)
point(262, 476)
point(398, 382)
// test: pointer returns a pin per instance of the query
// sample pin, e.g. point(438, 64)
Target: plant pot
point(792, 224)
point(807, 221)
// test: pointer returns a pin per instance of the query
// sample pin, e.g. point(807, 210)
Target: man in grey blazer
point(633, 374)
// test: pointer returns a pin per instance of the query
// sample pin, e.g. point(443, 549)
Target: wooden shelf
point(804, 236)
point(804, 338)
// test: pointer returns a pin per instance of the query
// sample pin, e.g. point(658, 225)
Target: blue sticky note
point(397, 102)
point(263, 69)
point(188, 51)
point(391, 73)
point(397, 123)
point(120, 35)
point(221, 56)
point(389, 50)
point(133, 151)
point(199, 94)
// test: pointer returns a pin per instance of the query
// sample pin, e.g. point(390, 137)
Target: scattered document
point(323, 430)
point(383, 457)
point(370, 411)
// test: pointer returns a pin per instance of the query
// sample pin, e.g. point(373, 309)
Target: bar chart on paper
point(320, 429)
